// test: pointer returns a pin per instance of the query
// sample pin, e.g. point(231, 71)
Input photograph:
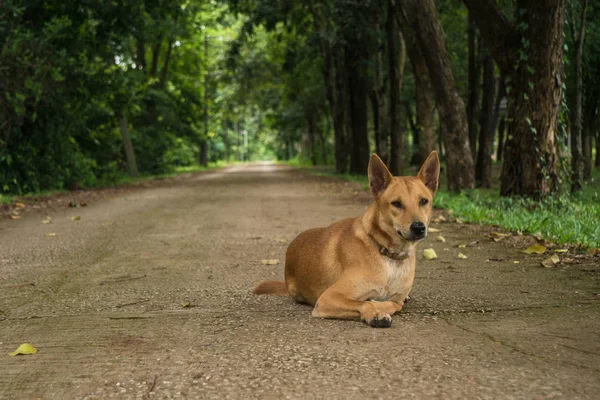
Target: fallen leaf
point(567, 260)
point(434, 230)
point(516, 262)
point(76, 218)
point(24, 349)
point(51, 234)
point(440, 239)
point(280, 240)
point(462, 256)
point(551, 261)
point(429, 254)
point(20, 205)
point(185, 304)
point(270, 262)
point(500, 234)
point(459, 221)
point(535, 248)
point(462, 246)
point(46, 221)
point(49, 218)
point(561, 250)
point(15, 217)
point(442, 218)
point(538, 235)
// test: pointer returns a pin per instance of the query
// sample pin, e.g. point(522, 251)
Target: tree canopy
point(92, 91)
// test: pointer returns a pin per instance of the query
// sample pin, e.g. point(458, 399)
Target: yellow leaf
point(551, 261)
point(51, 234)
point(25, 348)
point(280, 240)
point(462, 246)
point(434, 230)
point(441, 239)
point(185, 304)
point(429, 254)
point(48, 218)
point(516, 262)
point(77, 218)
point(462, 256)
point(561, 250)
point(500, 234)
point(46, 221)
point(535, 248)
point(270, 262)
point(20, 205)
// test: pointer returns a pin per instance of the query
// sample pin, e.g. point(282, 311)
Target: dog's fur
point(363, 267)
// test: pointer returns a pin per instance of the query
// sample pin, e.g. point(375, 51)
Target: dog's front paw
point(379, 320)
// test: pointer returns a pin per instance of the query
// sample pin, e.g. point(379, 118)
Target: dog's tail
point(277, 288)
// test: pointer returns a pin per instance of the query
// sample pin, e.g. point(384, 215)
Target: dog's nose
point(418, 229)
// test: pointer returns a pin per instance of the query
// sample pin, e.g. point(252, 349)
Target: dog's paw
point(380, 320)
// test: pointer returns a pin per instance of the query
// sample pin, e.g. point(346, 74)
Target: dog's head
point(404, 202)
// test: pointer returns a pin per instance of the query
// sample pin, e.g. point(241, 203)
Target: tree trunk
point(128, 145)
point(204, 142)
point(501, 133)
point(500, 93)
point(165, 69)
point(140, 55)
point(530, 165)
point(597, 143)
point(421, 15)
point(590, 119)
point(312, 135)
point(334, 78)
point(356, 55)
point(577, 108)
point(155, 54)
point(483, 170)
point(396, 61)
point(423, 96)
point(474, 74)
point(379, 104)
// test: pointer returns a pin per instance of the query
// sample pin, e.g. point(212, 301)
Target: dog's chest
point(397, 279)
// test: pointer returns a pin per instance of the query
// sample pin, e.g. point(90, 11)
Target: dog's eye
point(397, 204)
point(424, 202)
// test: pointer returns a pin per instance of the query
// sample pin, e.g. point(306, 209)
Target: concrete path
point(103, 302)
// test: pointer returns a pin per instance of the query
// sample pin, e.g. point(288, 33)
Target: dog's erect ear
point(430, 171)
point(379, 175)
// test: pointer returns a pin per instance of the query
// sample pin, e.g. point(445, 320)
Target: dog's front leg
point(334, 303)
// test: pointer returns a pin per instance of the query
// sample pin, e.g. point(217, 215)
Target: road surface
point(148, 295)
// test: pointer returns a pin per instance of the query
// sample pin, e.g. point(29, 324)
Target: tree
point(529, 55)
point(578, 37)
point(421, 16)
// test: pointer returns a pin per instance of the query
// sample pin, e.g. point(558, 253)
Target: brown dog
point(363, 267)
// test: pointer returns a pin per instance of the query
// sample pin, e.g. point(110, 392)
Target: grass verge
point(123, 180)
point(564, 219)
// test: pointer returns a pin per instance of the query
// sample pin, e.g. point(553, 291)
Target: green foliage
point(69, 69)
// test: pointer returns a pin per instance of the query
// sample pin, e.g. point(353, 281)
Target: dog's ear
point(379, 175)
point(430, 171)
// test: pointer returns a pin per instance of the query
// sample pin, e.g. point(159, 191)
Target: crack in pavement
point(519, 350)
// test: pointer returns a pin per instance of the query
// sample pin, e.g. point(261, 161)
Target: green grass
point(123, 180)
point(564, 219)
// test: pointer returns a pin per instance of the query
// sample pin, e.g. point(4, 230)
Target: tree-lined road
point(148, 295)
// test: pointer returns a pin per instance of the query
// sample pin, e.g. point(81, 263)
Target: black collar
point(394, 256)
point(384, 251)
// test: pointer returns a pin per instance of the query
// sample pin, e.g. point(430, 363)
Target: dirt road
point(103, 303)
